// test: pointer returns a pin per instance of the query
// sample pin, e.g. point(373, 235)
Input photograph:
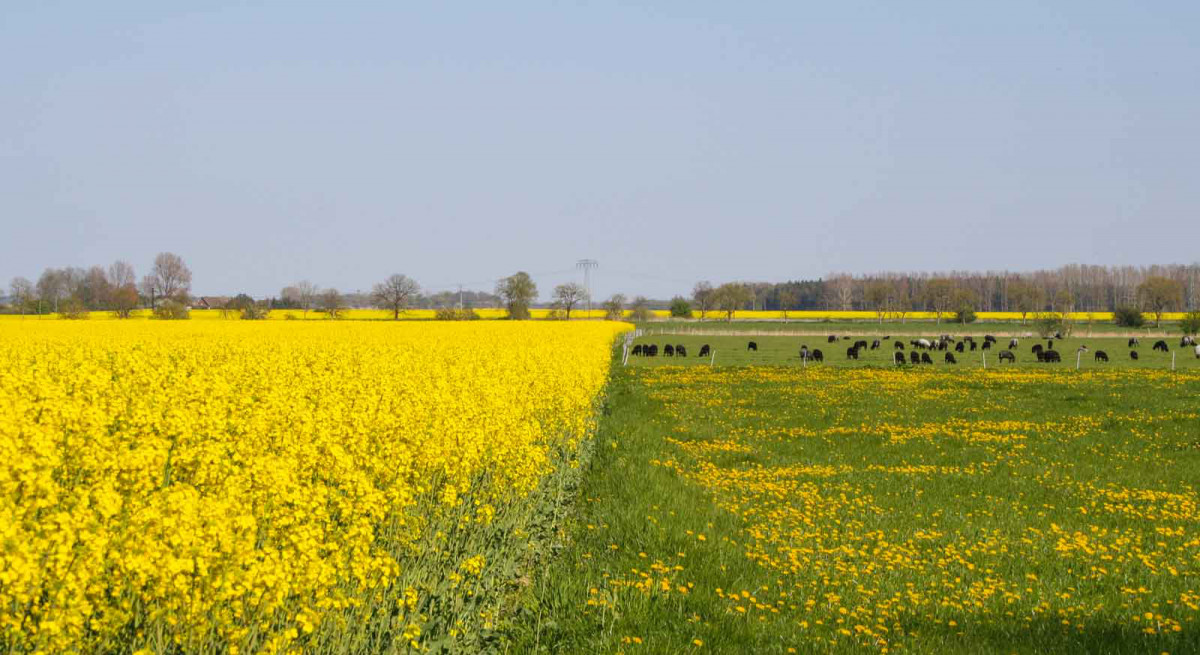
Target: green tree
point(517, 291)
point(567, 296)
point(614, 307)
point(641, 309)
point(1025, 298)
point(680, 307)
point(730, 297)
point(1190, 325)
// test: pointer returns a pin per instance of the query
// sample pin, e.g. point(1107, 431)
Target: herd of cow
point(921, 348)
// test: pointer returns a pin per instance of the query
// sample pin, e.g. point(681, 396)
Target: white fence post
point(713, 359)
point(984, 358)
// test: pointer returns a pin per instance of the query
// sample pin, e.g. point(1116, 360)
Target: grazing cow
point(1037, 348)
point(804, 352)
point(974, 346)
point(914, 357)
point(887, 337)
point(1052, 356)
point(988, 337)
point(1041, 356)
point(968, 338)
point(1082, 349)
point(875, 345)
point(987, 345)
point(637, 350)
point(668, 350)
point(960, 346)
point(923, 343)
point(680, 351)
point(899, 345)
point(925, 359)
point(752, 346)
point(651, 350)
point(1133, 355)
point(1161, 345)
point(861, 344)
point(950, 358)
point(852, 353)
point(1050, 345)
point(899, 357)
point(1101, 356)
point(704, 351)
point(1133, 342)
point(1007, 354)
point(1197, 351)
point(1012, 344)
point(833, 338)
point(817, 355)
point(1187, 341)
point(942, 345)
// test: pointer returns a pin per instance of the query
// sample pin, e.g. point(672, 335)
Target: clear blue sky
point(268, 142)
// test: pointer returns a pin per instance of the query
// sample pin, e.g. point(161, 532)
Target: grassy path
point(774, 510)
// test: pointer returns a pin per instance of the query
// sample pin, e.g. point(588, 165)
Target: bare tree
point(1159, 294)
point(940, 294)
point(170, 277)
point(331, 303)
point(396, 293)
point(614, 307)
point(51, 286)
point(567, 296)
point(787, 300)
point(302, 294)
point(702, 295)
point(878, 296)
point(121, 274)
point(23, 293)
point(732, 296)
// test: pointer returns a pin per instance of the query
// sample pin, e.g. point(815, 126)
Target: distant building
point(210, 302)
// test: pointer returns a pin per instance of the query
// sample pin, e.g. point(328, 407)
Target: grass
point(785, 351)
point(777, 509)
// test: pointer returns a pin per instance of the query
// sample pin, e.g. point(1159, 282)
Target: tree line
point(1074, 288)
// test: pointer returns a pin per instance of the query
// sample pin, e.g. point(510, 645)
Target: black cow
point(833, 338)
point(914, 357)
point(680, 351)
point(1133, 355)
point(974, 346)
point(668, 350)
point(989, 338)
point(704, 350)
point(817, 355)
point(1161, 345)
point(803, 352)
point(1101, 356)
point(1008, 354)
point(925, 359)
point(650, 350)
point(861, 344)
point(899, 345)
point(969, 338)
point(950, 358)
point(958, 347)
point(875, 345)
point(1037, 348)
point(1133, 342)
point(987, 345)
point(1052, 356)
point(637, 350)
point(1050, 345)
point(1012, 343)
point(752, 346)
point(852, 353)
point(899, 357)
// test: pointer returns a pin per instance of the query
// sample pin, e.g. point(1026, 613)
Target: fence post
point(1172, 360)
point(712, 360)
point(984, 358)
point(1078, 356)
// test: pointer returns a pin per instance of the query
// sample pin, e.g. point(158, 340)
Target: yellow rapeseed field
point(221, 486)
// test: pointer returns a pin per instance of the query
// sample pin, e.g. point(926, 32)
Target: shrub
point(1129, 317)
point(680, 307)
point(641, 309)
point(172, 310)
point(965, 315)
point(72, 309)
point(1048, 325)
point(1190, 324)
point(454, 314)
